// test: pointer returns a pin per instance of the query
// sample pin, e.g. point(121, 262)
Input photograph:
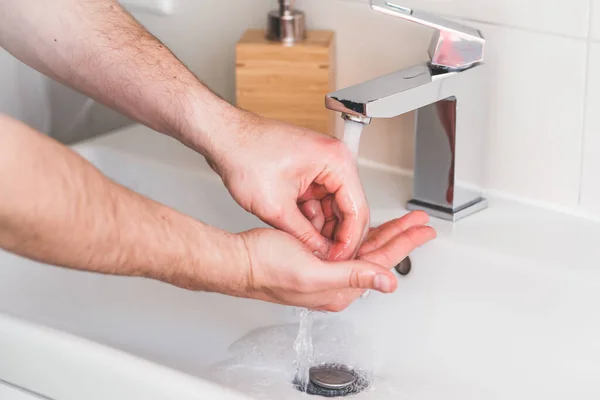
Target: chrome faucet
point(449, 96)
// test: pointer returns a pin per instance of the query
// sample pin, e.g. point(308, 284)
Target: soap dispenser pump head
point(286, 25)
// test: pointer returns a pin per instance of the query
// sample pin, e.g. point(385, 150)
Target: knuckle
point(306, 238)
point(354, 279)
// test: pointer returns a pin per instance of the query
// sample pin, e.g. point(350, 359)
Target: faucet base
point(447, 213)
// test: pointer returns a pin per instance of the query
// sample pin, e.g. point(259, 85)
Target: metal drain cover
point(330, 376)
point(334, 380)
point(404, 267)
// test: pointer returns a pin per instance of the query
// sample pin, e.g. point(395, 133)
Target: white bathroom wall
point(541, 56)
point(9, 89)
point(590, 193)
point(23, 93)
point(590, 190)
point(543, 142)
point(595, 20)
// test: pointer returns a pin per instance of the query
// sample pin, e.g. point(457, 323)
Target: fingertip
point(426, 218)
point(320, 246)
point(313, 211)
point(385, 282)
point(420, 235)
point(420, 217)
point(430, 232)
point(434, 233)
point(367, 275)
point(348, 239)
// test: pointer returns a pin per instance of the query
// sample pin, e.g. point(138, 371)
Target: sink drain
point(334, 380)
point(404, 267)
point(330, 377)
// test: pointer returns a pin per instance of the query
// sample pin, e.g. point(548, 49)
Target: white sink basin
point(469, 322)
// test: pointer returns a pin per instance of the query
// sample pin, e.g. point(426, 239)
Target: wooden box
point(287, 83)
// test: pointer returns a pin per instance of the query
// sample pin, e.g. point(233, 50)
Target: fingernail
point(382, 283)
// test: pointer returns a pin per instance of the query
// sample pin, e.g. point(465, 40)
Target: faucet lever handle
point(453, 47)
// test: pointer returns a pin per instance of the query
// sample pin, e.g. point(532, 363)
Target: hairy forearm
point(96, 47)
point(57, 208)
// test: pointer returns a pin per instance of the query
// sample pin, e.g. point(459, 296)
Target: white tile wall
point(8, 85)
point(538, 53)
point(534, 141)
point(370, 45)
point(537, 57)
point(23, 92)
point(595, 19)
point(590, 194)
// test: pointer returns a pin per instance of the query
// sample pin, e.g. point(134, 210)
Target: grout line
point(586, 95)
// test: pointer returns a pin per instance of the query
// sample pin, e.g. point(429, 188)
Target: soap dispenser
point(284, 71)
point(286, 25)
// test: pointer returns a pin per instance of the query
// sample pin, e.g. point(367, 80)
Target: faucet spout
point(369, 99)
point(450, 123)
point(400, 92)
point(449, 97)
point(356, 118)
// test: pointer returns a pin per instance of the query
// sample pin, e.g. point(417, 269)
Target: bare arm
point(96, 47)
point(57, 208)
point(296, 180)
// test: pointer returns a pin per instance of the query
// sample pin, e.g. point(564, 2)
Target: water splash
point(303, 346)
point(265, 364)
point(261, 364)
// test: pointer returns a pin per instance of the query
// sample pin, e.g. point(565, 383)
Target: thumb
point(296, 224)
point(356, 274)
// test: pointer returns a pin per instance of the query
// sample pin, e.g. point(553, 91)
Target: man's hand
point(296, 180)
point(292, 178)
point(57, 208)
point(283, 271)
point(270, 168)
